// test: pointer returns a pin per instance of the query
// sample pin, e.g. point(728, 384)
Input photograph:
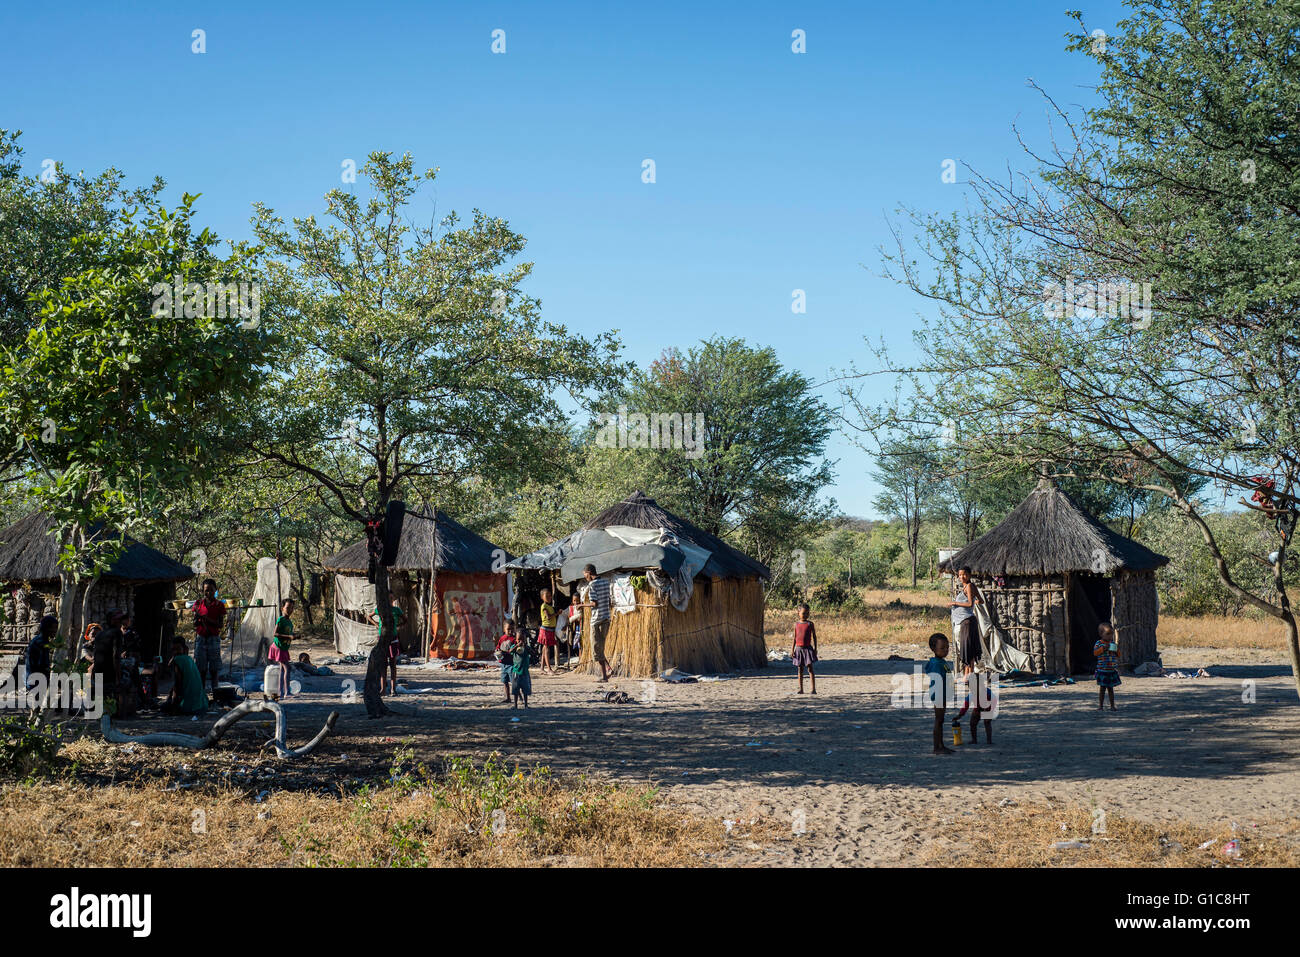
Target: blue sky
point(775, 171)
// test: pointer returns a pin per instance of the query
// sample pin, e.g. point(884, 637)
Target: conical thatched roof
point(29, 551)
point(1048, 534)
point(459, 549)
point(640, 511)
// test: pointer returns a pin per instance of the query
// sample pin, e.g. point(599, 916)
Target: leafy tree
point(413, 358)
point(40, 221)
point(758, 473)
point(907, 473)
point(1130, 308)
point(113, 404)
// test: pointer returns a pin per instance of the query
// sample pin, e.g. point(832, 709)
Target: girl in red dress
point(804, 651)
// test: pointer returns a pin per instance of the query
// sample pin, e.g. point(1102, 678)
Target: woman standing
point(966, 633)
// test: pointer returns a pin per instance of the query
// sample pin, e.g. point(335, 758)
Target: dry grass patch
point(1024, 836)
point(908, 617)
point(894, 617)
point(1217, 631)
point(463, 814)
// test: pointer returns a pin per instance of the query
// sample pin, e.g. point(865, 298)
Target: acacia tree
point(1130, 310)
point(758, 469)
point(908, 473)
point(412, 357)
point(111, 403)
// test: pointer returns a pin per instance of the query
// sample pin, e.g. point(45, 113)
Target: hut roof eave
point(1051, 534)
point(458, 549)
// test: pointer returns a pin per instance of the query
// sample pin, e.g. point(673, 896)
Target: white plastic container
point(271, 680)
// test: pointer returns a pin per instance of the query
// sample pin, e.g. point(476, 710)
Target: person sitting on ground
point(278, 652)
point(939, 673)
point(504, 652)
point(187, 695)
point(1106, 651)
point(37, 656)
point(804, 650)
point(546, 633)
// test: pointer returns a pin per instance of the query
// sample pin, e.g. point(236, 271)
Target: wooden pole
point(1069, 630)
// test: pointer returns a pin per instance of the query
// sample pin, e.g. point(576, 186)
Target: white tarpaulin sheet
point(998, 653)
point(354, 594)
point(258, 624)
point(694, 558)
point(622, 596)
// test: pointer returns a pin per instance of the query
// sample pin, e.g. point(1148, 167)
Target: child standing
point(940, 673)
point(505, 649)
point(804, 650)
point(280, 641)
point(521, 683)
point(546, 633)
point(1106, 651)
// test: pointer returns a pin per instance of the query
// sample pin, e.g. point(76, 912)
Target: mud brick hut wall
point(1135, 615)
point(140, 582)
point(1031, 610)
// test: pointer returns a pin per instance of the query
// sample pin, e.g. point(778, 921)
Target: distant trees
point(908, 472)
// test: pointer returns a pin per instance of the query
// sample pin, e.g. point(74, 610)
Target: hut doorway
point(1089, 607)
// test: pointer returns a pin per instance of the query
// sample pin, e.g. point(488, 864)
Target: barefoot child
point(546, 633)
point(505, 650)
point(940, 680)
point(804, 650)
point(279, 650)
point(979, 687)
point(1107, 652)
point(521, 683)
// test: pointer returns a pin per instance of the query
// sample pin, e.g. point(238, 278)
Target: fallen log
point(223, 724)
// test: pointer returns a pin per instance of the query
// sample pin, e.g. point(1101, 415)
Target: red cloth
point(546, 637)
point(209, 616)
point(803, 634)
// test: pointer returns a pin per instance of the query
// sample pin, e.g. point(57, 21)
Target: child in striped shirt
point(1106, 651)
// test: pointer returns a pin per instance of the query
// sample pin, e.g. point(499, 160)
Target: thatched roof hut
point(461, 615)
point(140, 582)
point(699, 609)
point(1050, 573)
point(29, 551)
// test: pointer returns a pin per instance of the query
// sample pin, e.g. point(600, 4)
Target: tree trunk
point(1293, 648)
point(375, 664)
point(79, 629)
point(67, 603)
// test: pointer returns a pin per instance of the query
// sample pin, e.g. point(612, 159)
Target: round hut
point(142, 582)
point(1050, 573)
point(681, 597)
point(449, 582)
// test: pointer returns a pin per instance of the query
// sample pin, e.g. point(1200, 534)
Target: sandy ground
point(856, 771)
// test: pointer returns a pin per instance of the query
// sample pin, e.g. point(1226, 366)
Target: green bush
point(833, 596)
point(26, 747)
